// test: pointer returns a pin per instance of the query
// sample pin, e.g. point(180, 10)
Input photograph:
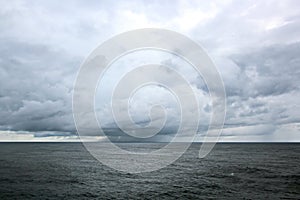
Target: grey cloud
point(36, 84)
point(272, 70)
point(255, 46)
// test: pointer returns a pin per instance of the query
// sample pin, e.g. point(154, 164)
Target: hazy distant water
point(233, 171)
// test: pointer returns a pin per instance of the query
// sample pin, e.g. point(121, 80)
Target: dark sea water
point(230, 171)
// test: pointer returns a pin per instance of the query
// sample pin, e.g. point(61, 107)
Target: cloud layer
point(255, 45)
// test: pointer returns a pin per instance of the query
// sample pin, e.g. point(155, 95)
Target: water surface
point(68, 171)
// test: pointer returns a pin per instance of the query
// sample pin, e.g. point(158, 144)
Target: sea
point(230, 171)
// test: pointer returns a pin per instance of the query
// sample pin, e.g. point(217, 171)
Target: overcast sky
point(255, 45)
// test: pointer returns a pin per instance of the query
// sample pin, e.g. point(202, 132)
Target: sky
point(254, 44)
